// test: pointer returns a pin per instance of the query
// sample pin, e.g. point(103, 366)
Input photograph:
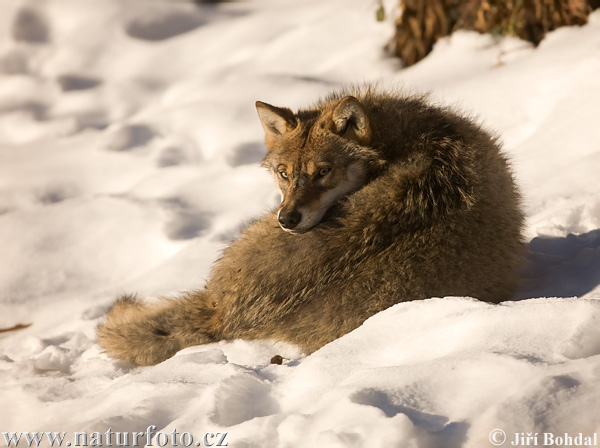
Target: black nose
point(289, 220)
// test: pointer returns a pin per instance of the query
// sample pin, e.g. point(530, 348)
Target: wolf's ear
point(276, 121)
point(351, 121)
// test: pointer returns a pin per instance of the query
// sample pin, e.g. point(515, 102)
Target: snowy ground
point(129, 156)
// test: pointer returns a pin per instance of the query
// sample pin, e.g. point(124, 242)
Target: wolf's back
point(447, 207)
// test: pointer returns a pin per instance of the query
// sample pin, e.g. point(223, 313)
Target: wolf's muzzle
point(289, 220)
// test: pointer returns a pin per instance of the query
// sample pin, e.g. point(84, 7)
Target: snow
point(129, 158)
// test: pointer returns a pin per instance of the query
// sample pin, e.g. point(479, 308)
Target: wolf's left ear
point(351, 121)
point(276, 121)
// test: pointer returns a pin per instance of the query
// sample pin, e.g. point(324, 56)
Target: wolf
point(386, 198)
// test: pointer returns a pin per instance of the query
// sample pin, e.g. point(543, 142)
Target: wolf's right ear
point(276, 121)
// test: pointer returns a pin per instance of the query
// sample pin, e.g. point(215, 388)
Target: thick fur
point(436, 214)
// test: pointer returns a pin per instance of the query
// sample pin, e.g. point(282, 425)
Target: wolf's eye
point(324, 172)
point(283, 175)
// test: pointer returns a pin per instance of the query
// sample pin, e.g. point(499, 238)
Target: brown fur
point(437, 214)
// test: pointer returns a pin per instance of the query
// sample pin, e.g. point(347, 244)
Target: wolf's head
point(317, 157)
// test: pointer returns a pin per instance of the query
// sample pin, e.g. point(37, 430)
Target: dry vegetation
point(423, 22)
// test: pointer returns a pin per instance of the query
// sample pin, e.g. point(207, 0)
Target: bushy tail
point(146, 334)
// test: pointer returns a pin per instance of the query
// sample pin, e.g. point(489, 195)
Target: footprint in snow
point(129, 137)
point(30, 26)
point(186, 221)
point(162, 26)
point(70, 83)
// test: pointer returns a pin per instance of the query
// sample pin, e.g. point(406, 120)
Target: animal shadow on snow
point(561, 266)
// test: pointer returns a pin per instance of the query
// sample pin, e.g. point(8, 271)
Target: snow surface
point(129, 157)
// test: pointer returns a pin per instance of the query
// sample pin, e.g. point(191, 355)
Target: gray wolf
point(385, 198)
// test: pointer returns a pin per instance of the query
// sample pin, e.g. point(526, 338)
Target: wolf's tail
point(148, 334)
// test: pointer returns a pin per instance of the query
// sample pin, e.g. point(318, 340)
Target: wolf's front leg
point(146, 334)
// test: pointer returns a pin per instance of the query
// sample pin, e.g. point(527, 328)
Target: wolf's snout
point(289, 220)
